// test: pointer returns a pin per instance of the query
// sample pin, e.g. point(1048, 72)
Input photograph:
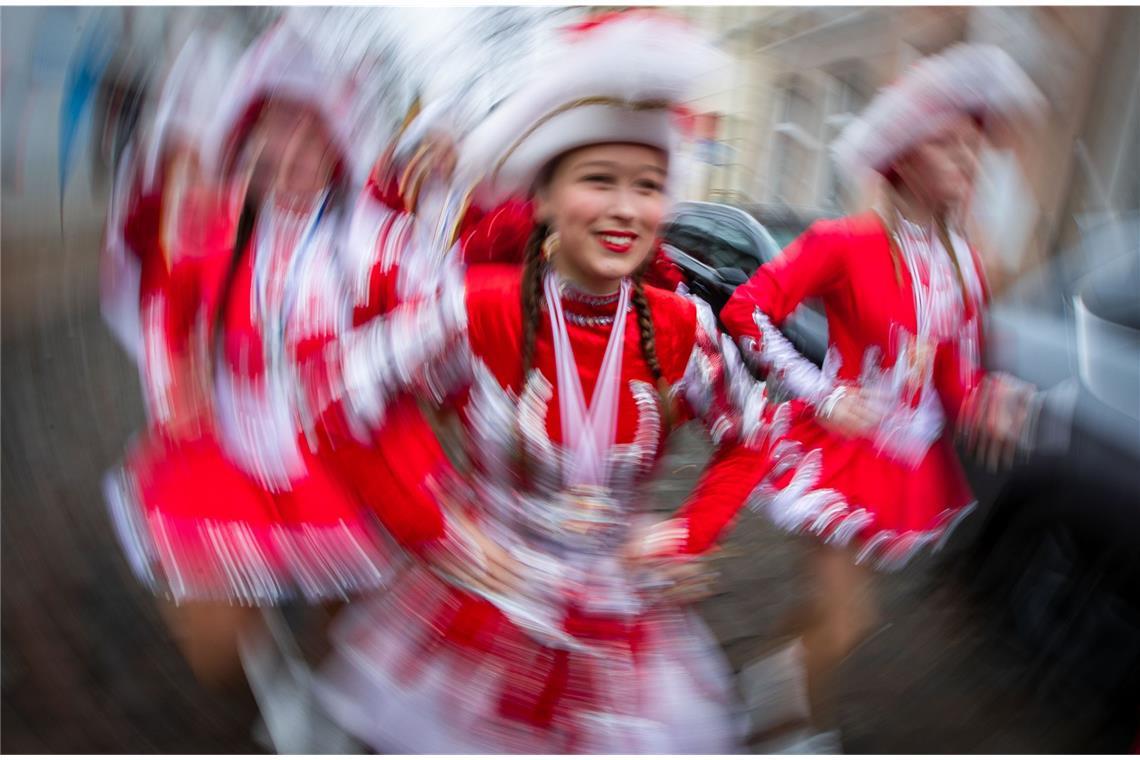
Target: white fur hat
point(981, 80)
point(281, 64)
point(620, 77)
point(189, 95)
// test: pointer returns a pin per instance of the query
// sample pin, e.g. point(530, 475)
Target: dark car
point(717, 248)
point(1055, 552)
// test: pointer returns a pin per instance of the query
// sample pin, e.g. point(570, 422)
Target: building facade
point(799, 74)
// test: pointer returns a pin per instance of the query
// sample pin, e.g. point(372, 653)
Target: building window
point(848, 95)
point(795, 145)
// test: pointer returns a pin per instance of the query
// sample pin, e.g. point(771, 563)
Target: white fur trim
point(576, 128)
point(282, 63)
point(786, 365)
point(979, 79)
point(637, 59)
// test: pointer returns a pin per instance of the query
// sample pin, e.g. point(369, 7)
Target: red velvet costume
point(240, 506)
point(542, 681)
point(238, 503)
point(379, 238)
point(897, 490)
point(586, 654)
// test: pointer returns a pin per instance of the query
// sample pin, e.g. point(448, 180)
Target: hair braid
point(645, 327)
point(648, 337)
point(943, 237)
point(533, 270)
point(243, 233)
point(892, 234)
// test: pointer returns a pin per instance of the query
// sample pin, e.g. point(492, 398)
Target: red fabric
point(243, 341)
point(178, 283)
point(495, 333)
point(218, 533)
point(189, 281)
point(192, 483)
point(500, 236)
point(546, 683)
point(847, 264)
point(143, 220)
point(495, 328)
point(194, 480)
point(662, 272)
point(392, 474)
point(727, 482)
point(602, 18)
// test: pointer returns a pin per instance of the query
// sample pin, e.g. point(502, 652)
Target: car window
point(784, 235)
point(717, 241)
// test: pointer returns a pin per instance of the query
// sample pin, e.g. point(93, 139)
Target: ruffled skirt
point(195, 527)
point(845, 492)
point(427, 668)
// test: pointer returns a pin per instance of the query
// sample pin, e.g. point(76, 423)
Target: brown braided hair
point(944, 236)
point(892, 242)
point(648, 336)
point(533, 271)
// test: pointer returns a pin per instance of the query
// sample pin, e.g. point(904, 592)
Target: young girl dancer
point(868, 467)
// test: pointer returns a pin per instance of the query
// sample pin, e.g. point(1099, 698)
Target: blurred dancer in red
point(869, 467)
point(229, 501)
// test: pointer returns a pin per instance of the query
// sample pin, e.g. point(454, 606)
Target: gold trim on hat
point(656, 104)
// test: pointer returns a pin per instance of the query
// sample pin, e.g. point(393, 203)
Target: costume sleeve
point(170, 306)
point(979, 402)
point(399, 473)
point(419, 347)
point(718, 390)
point(958, 375)
point(811, 266)
point(379, 233)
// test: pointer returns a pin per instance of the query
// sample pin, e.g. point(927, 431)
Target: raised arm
point(811, 266)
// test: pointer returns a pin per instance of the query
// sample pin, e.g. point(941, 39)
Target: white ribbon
point(587, 433)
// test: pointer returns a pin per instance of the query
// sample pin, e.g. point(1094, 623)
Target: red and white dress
point(241, 507)
point(587, 658)
point(381, 236)
point(905, 335)
point(387, 466)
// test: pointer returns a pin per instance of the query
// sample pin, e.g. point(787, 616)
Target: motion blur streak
point(133, 135)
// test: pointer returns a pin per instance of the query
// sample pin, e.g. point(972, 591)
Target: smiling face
point(605, 202)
